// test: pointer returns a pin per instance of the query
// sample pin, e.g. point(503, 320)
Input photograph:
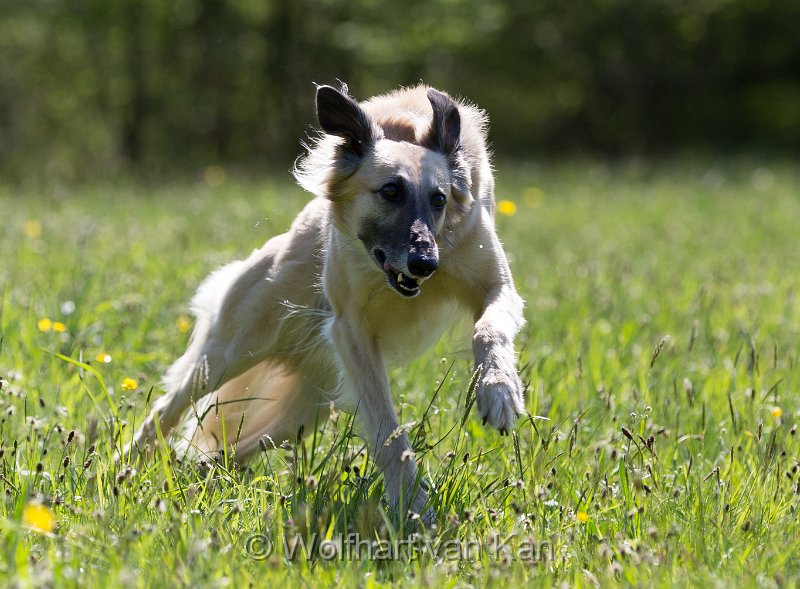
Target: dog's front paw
point(414, 495)
point(419, 503)
point(500, 400)
point(416, 504)
point(428, 517)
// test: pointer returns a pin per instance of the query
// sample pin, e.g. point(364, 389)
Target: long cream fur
point(314, 315)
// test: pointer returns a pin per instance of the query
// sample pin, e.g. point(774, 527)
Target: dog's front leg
point(500, 391)
point(365, 377)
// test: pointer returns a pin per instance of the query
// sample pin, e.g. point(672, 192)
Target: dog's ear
point(445, 133)
point(342, 116)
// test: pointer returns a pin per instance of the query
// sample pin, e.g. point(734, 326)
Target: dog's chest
point(405, 329)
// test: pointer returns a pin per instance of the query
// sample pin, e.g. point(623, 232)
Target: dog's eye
point(390, 192)
point(438, 200)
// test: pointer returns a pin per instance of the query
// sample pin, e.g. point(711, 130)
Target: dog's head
point(393, 188)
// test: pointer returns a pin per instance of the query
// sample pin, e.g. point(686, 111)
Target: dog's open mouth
point(405, 285)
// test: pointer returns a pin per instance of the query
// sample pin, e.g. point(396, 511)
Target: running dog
point(398, 242)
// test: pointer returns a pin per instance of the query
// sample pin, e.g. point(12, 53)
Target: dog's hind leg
point(240, 317)
point(200, 371)
point(168, 408)
point(267, 405)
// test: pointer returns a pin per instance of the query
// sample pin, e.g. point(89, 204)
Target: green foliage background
point(93, 87)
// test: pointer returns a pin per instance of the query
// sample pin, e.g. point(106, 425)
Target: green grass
point(662, 338)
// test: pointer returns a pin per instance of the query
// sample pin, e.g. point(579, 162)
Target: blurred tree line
point(92, 87)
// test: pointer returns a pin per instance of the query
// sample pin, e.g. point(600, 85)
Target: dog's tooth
point(400, 278)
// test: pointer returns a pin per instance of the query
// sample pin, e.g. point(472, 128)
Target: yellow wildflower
point(59, 327)
point(44, 325)
point(507, 207)
point(582, 517)
point(776, 412)
point(183, 323)
point(38, 518)
point(32, 229)
point(129, 384)
point(103, 357)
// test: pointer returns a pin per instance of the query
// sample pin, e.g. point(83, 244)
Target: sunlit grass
point(661, 353)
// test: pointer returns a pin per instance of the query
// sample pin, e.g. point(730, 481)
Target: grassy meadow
point(661, 350)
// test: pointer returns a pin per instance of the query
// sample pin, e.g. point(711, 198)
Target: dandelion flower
point(44, 325)
point(32, 229)
point(129, 384)
point(39, 518)
point(103, 357)
point(582, 517)
point(183, 323)
point(776, 412)
point(507, 207)
point(59, 327)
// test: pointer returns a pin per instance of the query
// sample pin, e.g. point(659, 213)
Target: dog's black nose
point(422, 266)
